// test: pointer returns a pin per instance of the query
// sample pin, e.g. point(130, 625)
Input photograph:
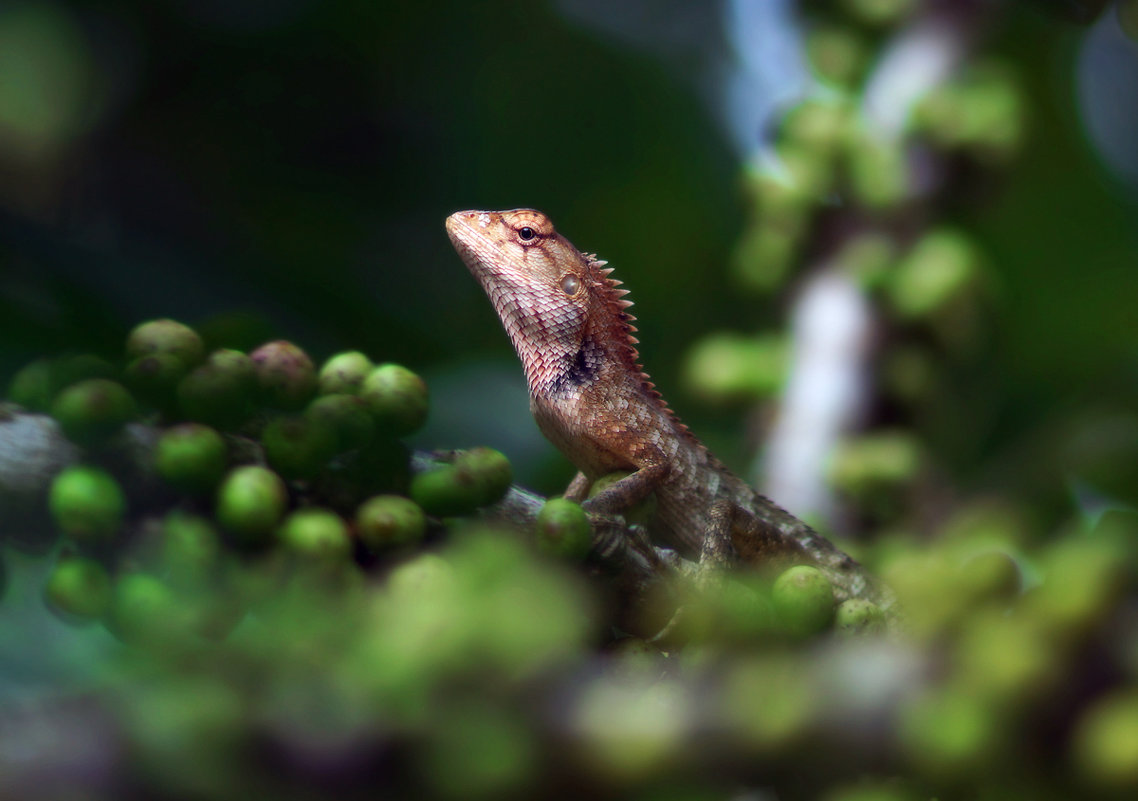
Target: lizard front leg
point(578, 488)
point(629, 491)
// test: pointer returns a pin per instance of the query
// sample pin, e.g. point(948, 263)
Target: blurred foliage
point(267, 170)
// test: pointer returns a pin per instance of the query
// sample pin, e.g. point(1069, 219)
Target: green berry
point(297, 446)
point(155, 378)
point(563, 528)
point(144, 610)
point(992, 575)
point(93, 410)
point(489, 470)
point(950, 732)
point(166, 337)
point(1106, 741)
point(858, 616)
point(880, 12)
point(220, 392)
point(251, 502)
point(31, 386)
point(78, 589)
point(816, 126)
point(87, 504)
point(729, 367)
point(803, 599)
point(346, 416)
point(234, 363)
point(397, 398)
point(871, 462)
point(344, 373)
point(191, 549)
point(68, 370)
point(879, 172)
point(316, 534)
point(389, 520)
point(937, 269)
point(836, 55)
point(445, 491)
point(736, 611)
point(192, 457)
point(285, 375)
point(763, 256)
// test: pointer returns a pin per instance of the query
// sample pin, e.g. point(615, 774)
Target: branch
point(33, 450)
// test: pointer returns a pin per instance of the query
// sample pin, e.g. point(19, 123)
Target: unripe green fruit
point(286, 376)
point(1105, 746)
point(937, 269)
point(221, 391)
point(344, 373)
point(445, 491)
point(949, 732)
point(31, 386)
point(736, 610)
point(78, 590)
point(724, 368)
point(144, 610)
point(155, 378)
point(489, 470)
point(389, 520)
point(816, 126)
point(191, 549)
point(251, 502)
point(563, 529)
point(68, 370)
point(346, 416)
point(316, 534)
point(297, 446)
point(763, 257)
point(871, 462)
point(87, 504)
point(235, 364)
point(93, 410)
point(879, 12)
point(803, 599)
point(836, 55)
point(166, 337)
point(992, 575)
point(879, 172)
point(397, 399)
point(192, 457)
point(858, 616)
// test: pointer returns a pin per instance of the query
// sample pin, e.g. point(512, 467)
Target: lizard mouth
point(461, 230)
point(462, 225)
point(467, 232)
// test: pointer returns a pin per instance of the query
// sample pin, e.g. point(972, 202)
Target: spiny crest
point(625, 332)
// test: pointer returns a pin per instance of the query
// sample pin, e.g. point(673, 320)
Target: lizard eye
point(526, 234)
point(570, 284)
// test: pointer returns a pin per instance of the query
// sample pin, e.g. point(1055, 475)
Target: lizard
point(569, 321)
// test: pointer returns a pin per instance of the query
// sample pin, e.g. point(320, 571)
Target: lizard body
point(569, 322)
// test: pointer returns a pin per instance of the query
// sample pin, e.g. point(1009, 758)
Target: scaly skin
point(569, 322)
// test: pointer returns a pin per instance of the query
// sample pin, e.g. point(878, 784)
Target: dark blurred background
point(273, 168)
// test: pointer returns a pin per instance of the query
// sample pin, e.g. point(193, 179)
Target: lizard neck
point(595, 346)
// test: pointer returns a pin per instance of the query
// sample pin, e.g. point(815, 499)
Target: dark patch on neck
point(581, 369)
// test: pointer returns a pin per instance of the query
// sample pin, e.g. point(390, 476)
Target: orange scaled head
point(558, 305)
